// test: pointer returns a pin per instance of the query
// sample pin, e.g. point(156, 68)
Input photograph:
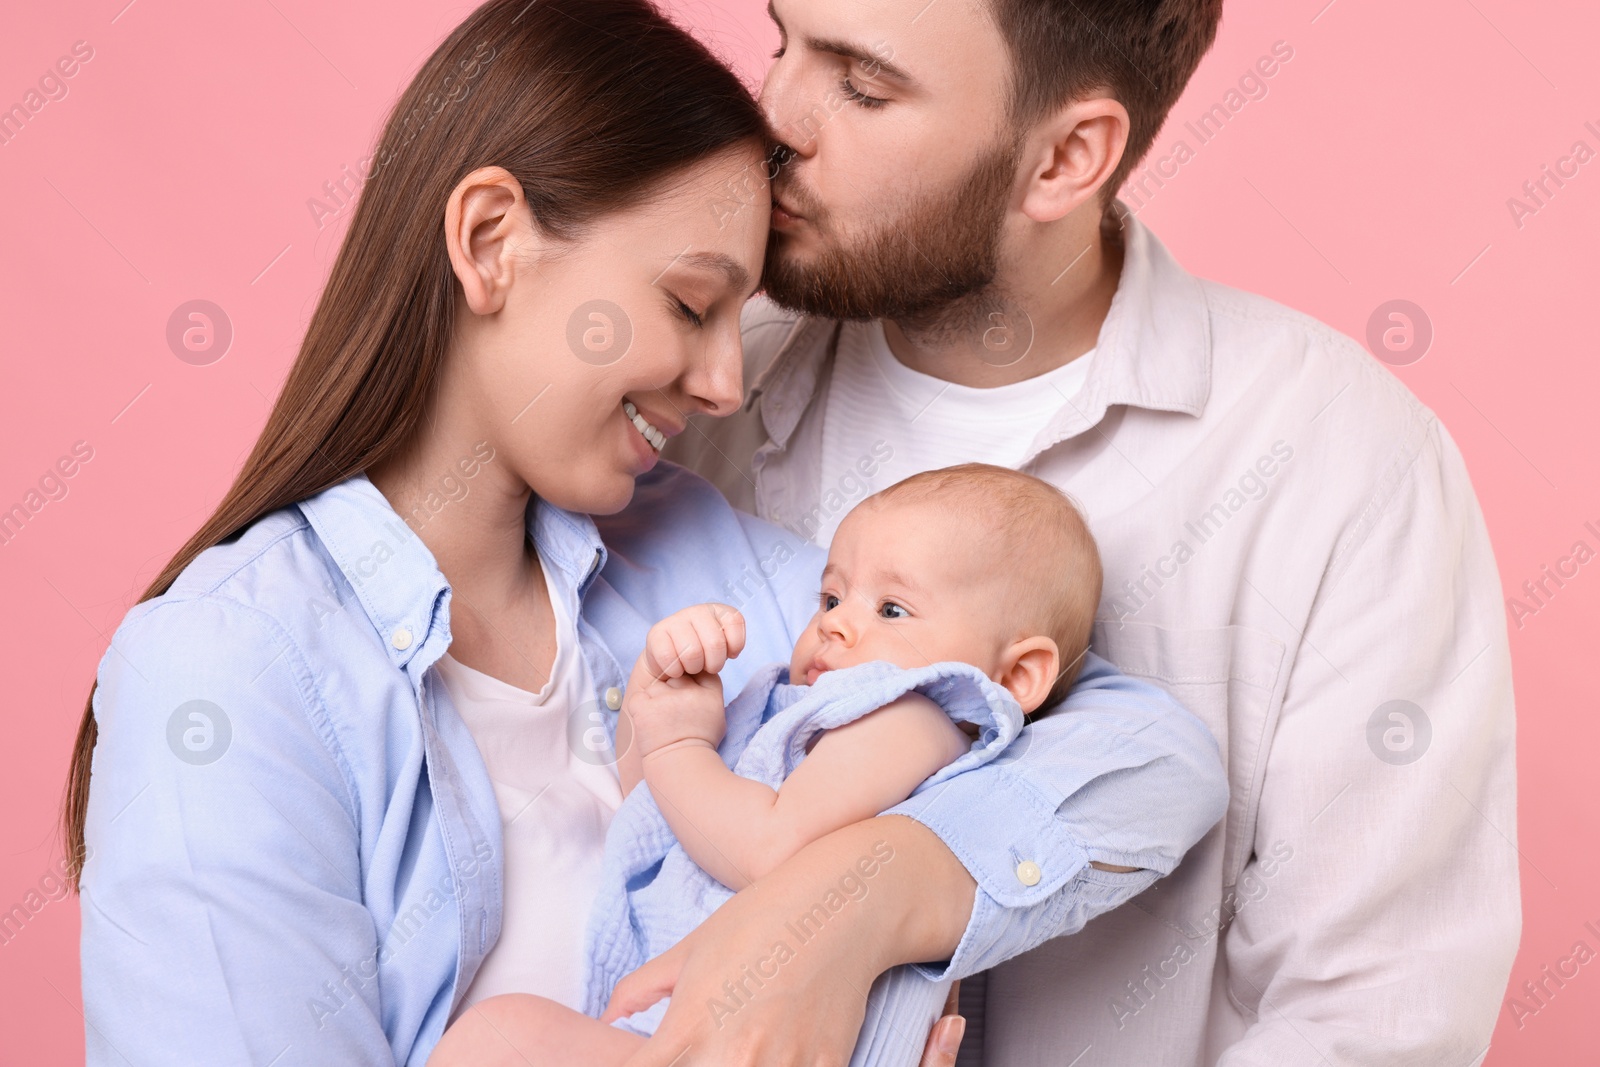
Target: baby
point(953, 604)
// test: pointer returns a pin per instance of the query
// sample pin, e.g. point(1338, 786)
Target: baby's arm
point(737, 829)
point(695, 643)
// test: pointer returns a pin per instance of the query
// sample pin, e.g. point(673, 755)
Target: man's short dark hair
point(1142, 51)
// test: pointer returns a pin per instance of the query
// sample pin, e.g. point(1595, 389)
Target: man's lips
point(785, 211)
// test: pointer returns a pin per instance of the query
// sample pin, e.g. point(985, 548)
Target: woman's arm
point(738, 829)
point(223, 919)
point(915, 906)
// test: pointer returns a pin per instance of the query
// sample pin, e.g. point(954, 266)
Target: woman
point(350, 753)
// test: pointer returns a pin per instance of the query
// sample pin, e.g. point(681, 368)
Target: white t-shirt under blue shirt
point(878, 409)
point(556, 800)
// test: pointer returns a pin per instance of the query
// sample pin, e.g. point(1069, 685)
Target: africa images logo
point(199, 732)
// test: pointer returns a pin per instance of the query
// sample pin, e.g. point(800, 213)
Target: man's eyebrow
point(737, 276)
point(874, 64)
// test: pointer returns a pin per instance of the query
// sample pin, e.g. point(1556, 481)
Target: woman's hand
point(748, 991)
point(641, 989)
point(658, 978)
point(944, 1040)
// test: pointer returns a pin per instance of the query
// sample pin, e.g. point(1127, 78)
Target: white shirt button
point(613, 698)
point(1028, 872)
point(401, 639)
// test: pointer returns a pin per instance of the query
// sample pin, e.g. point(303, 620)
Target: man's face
point(902, 161)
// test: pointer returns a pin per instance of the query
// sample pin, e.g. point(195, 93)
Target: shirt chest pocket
point(1232, 679)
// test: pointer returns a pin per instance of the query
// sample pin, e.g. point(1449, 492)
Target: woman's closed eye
point(694, 317)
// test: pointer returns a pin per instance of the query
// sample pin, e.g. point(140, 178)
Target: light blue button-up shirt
point(294, 844)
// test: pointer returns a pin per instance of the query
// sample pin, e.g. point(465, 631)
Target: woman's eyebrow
point(721, 262)
point(738, 277)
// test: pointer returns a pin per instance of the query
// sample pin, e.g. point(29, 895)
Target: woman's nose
point(716, 380)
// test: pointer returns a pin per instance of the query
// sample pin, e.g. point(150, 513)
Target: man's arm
point(1119, 776)
point(738, 829)
point(1392, 775)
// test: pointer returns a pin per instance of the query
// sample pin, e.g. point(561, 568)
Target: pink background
point(179, 166)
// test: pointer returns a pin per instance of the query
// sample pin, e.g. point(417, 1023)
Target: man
point(1291, 542)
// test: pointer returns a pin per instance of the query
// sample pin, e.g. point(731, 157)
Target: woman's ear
point(487, 226)
point(1073, 152)
point(1029, 670)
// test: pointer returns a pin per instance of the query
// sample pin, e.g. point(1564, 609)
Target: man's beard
point(928, 268)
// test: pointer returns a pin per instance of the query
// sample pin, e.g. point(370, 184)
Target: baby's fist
point(697, 640)
point(666, 713)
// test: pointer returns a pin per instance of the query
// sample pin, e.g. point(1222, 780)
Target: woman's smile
point(648, 429)
point(646, 438)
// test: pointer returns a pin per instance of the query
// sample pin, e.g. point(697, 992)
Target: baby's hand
point(697, 640)
point(686, 709)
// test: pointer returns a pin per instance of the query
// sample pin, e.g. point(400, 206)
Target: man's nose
point(794, 115)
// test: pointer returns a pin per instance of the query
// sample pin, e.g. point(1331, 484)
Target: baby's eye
point(829, 601)
point(891, 610)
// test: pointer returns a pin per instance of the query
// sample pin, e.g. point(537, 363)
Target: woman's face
point(577, 360)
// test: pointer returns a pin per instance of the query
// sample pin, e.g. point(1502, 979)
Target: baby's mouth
point(646, 430)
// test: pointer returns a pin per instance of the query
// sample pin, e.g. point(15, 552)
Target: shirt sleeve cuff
point(996, 934)
point(1019, 867)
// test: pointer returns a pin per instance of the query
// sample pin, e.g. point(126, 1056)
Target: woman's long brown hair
point(590, 104)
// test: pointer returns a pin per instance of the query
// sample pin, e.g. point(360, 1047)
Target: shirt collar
point(394, 574)
point(1154, 349)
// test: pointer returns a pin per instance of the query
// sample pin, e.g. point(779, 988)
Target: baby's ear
point(1029, 671)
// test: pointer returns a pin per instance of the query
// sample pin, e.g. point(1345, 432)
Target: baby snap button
point(613, 698)
point(1028, 872)
point(401, 639)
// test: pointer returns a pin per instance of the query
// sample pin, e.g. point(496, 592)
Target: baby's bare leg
point(522, 1030)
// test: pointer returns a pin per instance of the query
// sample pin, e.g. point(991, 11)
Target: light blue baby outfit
point(652, 894)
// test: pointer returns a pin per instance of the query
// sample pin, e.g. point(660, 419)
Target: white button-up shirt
point(1293, 548)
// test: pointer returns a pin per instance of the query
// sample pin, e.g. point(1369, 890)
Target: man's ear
point(487, 228)
point(1071, 155)
point(1029, 670)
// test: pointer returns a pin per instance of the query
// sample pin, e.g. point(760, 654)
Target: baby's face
point(909, 584)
